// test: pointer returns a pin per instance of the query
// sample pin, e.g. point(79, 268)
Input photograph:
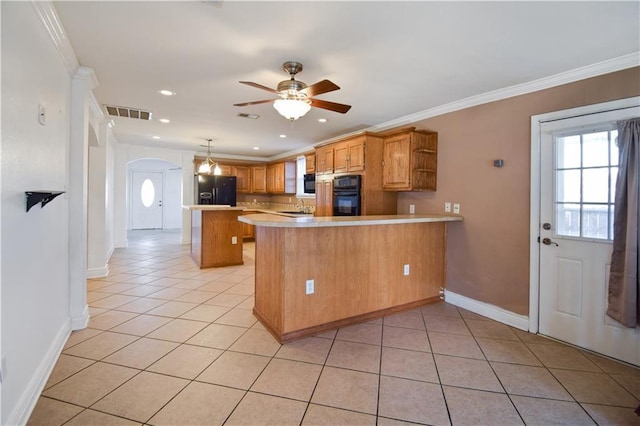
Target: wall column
point(82, 85)
point(97, 249)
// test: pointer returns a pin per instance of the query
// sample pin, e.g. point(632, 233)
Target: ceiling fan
point(296, 98)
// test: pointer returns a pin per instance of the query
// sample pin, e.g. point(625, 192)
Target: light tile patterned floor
point(169, 344)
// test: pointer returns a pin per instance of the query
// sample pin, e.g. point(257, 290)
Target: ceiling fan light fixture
point(292, 109)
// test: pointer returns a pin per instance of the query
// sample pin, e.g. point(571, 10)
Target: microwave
point(310, 183)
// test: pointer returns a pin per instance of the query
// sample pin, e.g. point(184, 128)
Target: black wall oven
point(346, 195)
point(309, 183)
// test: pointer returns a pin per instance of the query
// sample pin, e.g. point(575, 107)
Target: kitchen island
point(319, 273)
point(216, 235)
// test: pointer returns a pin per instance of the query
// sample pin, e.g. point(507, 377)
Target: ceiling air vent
point(249, 116)
point(127, 112)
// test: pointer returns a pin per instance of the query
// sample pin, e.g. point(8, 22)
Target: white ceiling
point(391, 59)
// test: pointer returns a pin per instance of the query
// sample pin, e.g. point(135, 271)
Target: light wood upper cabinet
point(259, 179)
point(310, 162)
point(410, 161)
point(243, 178)
point(281, 178)
point(324, 160)
point(225, 169)
point(348, 156)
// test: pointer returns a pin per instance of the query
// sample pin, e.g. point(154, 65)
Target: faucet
point(300, 205)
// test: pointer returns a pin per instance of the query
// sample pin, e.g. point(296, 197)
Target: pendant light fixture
point(208, 166)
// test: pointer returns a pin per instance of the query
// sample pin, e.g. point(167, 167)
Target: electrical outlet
point(447, 207)
point(234, 240)
point(412, 209)
point(310, 287)
point(456, 208)
point(406, 269)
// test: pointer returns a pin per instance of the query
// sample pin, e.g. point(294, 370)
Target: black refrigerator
point(215, 190)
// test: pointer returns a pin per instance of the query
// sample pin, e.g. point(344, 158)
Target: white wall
point(35, 260)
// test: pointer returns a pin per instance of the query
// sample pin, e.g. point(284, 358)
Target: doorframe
point(534, 224)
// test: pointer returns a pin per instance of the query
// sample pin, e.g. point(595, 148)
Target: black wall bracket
point(43, 197)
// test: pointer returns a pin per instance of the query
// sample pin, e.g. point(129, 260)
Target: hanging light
point(292, 109)
point(208, 166)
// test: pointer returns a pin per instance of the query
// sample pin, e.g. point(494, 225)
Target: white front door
point(146, 200)
point(578, 167)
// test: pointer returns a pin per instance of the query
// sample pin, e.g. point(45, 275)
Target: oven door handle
point(345, 193)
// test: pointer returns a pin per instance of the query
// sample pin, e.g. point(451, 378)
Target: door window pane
point(595, 185)
point(595, 221)
point(614, 147)
point(568, 219)
point(585, 178)
point(595, 149)
point(568, 152)
point(147, 193)
point(568, 186)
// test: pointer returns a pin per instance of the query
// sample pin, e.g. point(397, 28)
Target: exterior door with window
point(146, 200)
point(579, 165)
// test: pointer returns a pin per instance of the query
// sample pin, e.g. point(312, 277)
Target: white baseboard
point(487, 310)
point(121, 244)
point(98, 272)
point(27, 402)
point(80, 322)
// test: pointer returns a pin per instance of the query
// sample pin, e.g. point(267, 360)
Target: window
point(301, 169)
point(147, 193)
point(586, 167)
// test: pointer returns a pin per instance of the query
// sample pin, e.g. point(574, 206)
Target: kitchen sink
point(292, 212)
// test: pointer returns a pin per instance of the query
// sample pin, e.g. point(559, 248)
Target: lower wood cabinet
point(324, 197)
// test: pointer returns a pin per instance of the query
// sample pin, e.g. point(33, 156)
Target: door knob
point(547, 241)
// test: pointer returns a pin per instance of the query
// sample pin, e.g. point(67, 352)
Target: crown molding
point(51, 22)
point(582, 73)
point(600, 68)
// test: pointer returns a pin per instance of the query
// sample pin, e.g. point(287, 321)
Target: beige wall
point(488, 253)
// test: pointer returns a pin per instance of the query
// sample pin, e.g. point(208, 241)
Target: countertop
point(309, 221)
point(244, 208)
point(212, 207)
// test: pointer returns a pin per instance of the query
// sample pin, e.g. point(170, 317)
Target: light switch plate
point(456, 208)
point(447, 207)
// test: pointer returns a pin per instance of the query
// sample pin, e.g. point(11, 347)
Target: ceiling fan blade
point(259, 86)
point(320, 87)
point(254, 103)
point(331, 106)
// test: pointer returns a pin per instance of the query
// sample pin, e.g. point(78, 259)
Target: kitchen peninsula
point(216, 235)
point(318, 273)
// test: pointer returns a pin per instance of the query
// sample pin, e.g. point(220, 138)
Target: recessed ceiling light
point(256, 148)
point(322, 120)
point(164, 120)
point(283, 136)
point(155, 137)
point(167, 92)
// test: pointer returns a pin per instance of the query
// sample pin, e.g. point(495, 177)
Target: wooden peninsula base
point(357, 265)
point(216, 236)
